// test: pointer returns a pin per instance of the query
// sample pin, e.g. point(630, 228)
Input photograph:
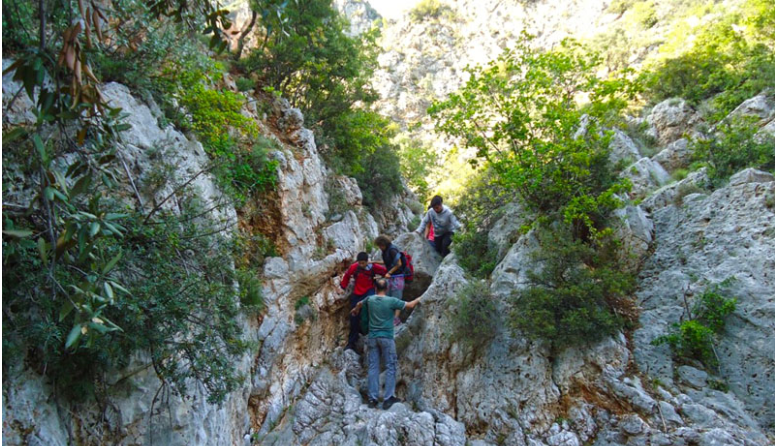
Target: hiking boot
point(373, 404)
point(389, 402)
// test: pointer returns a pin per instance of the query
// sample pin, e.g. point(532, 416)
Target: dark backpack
point(407, 269)
point(365, 317)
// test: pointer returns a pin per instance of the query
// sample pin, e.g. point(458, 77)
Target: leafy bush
point(474, 315)
point(735, 147)
point(695, 337)
point(329, 78)
point(418, 164)
point(520, 114)
point(240, 162)
point(116, 283)
point(578, 293)
point(728, 61)
point(478, 209)
point(431, 9)
point(474, 252)
point(244, 84)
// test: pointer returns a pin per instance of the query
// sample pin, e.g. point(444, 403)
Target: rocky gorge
point(301, 388)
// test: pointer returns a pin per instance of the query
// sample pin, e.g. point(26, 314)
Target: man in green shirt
point(380, 311)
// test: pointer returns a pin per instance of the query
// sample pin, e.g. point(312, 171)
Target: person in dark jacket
point(444, 225)
point(394, 263)
point(362, 272)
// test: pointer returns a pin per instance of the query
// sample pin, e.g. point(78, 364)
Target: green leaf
point(38, 143)
point(119, 287)
point(74, 336)
point(112, 263)
point(99, 327)
point(48, 193)
point(81, 186)
point(19, 233)
point(13, 135)
point(66, 309)
point(43, 250)
point(108, 291)
point(94, 228)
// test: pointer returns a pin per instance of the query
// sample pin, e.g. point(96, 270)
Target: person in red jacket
point(363, 274)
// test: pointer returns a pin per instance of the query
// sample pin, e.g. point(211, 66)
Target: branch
point(158, 206)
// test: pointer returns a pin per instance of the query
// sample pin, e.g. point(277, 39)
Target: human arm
point(413, 303)
point(397, 263)
point(379, 269)
point(423, 223)
point(346, 278)
point(454, 224)
point(357, 309)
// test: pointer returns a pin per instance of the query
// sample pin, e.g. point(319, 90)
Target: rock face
point(671, 120)
point(708, 239)
point(314, 250)
point(38, 418)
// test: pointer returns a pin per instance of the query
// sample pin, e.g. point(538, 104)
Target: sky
point(392, 9)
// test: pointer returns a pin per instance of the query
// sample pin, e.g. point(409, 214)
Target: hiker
point(444, 225)
point(379, 310)
point(394, 263)
point(362, 274)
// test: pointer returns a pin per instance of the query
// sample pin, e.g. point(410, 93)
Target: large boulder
point(646, 175)
point(623, 148)
point(761, 106)
point(678, 154)
point(508, 228)
point(672, 119)
point(425, 260)
point(634, 228)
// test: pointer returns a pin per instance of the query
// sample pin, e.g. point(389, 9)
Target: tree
point(536, 118)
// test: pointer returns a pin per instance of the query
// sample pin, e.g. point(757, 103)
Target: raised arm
point(423, 223)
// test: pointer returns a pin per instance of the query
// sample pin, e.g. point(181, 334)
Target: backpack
point(408, 268)
point(365, 317)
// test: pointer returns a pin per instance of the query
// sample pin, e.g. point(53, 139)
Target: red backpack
point(409, 269)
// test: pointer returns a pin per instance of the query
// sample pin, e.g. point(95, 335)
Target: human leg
point(388, 347)
point(373, 377)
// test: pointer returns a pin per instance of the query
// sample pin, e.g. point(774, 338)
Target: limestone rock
point(726, 235)
point(676, 155)
point(761, 106)
point(425, 260)
point(623, 148)
point(646, 175)
point(750, 176)
point(695, 182)
point(672, 119)
point(635, 230)
point(20, 112)
point(507, 229)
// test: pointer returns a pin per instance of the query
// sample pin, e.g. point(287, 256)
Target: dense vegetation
point(92, 275)
point(522, 116)
point(328, 78)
